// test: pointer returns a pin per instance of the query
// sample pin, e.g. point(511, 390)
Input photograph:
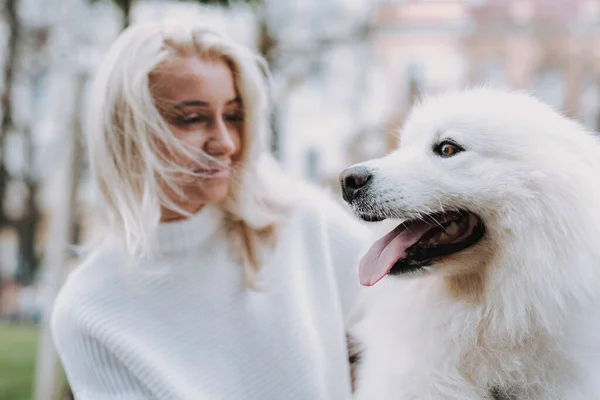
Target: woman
point(217, 277)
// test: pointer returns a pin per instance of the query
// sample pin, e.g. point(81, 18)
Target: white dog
point(490, 284)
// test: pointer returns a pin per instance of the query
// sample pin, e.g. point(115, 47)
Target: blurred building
point(548, 47)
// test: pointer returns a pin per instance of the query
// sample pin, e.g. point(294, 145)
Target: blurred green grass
point(18, 347)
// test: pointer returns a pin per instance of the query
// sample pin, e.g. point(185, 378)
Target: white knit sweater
point(189, 330)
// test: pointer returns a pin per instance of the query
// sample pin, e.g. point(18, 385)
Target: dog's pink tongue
point(384, 253)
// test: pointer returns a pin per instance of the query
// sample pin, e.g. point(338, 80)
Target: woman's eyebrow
point(191, 103)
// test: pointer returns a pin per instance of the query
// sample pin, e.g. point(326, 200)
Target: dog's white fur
point(520, 310)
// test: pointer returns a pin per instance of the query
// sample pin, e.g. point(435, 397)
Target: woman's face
point(198, 99)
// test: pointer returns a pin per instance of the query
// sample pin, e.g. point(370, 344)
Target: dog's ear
point(354, 356)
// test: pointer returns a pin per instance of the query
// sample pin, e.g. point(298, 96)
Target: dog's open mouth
point(415, 244)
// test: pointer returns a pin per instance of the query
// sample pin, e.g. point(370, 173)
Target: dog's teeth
point(437, 238)
point(452, 228)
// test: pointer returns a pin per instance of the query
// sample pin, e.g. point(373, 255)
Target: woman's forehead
point(194, 78)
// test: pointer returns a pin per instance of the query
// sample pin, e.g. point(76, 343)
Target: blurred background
point(345, 74)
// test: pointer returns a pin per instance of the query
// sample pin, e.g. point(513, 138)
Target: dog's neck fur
point(469, 287)
point(510, 273)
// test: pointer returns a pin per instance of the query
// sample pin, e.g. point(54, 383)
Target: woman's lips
point(213, 173)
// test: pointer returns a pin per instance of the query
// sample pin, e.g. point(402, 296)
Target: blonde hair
point(124, 127)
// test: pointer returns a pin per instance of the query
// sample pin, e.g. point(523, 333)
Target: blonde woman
point(218, 277)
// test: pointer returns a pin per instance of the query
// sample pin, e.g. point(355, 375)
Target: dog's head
point(475, 171)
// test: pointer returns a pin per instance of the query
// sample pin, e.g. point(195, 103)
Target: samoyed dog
point(489, 285)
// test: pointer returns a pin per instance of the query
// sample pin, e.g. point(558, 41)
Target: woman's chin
point(203, 193)
point(215, 192)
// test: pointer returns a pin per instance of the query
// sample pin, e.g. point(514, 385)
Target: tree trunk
point(9, 13)
point(267, 44)
point(27, 224)
point(6, 124)
point(27, 227)
point(125, 6)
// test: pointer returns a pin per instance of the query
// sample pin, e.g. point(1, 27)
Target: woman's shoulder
point(311, 198)
point(86, 287)
point(323, 207)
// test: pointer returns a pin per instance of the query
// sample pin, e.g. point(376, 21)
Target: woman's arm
point(348, 239)
point(93, 371)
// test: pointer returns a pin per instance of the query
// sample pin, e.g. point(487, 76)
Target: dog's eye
point(447, 148)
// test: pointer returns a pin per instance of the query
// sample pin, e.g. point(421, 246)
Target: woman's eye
point(447, 149)
point(234, 117)
point(193, 119)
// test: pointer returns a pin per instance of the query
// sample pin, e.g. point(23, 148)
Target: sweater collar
point(190, 232)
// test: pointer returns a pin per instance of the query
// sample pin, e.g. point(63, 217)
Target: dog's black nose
point(353, 180)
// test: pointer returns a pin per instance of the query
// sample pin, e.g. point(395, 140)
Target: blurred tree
point(25, 58)
point(26, 223)
point(33, 43)
point(9, 14)
point(126, 5)
point(291, 63)
point(21, 43)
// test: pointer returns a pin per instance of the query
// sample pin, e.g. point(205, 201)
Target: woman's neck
point(169, 215)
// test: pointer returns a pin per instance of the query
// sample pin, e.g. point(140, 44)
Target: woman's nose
point(221, 142)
